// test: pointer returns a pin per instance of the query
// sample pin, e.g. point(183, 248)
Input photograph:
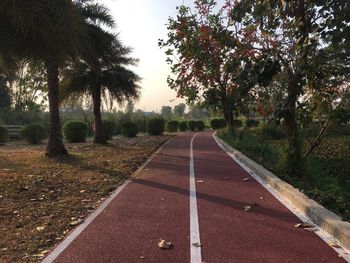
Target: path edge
point(57, 250)
point(326, 220)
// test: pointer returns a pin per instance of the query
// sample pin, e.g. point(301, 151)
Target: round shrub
point(75, 131)
point(183, 126)
point(237, 123)
point(217, 124)
point(251, 123)
point(33, 133)
point(155, 126)
point(172, 126)
point(4, 135)
point(191, 125)
point(108, 128)
point(129, 129)
point(200, 126)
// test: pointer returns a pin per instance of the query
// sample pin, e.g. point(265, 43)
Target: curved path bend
point(192, 194)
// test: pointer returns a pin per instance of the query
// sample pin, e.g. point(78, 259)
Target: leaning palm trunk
point(99, 134)
point(55, 144)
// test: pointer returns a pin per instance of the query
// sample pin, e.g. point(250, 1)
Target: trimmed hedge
point(33, 133)
point(108, 128)
point(217, 124)
point(129, 129)
point(191, 125)
point(172, 126)
point(155, 126)
point(75, 131)
point(4, 135)
point(251, 123)
point(200, 126)
point(183, 126)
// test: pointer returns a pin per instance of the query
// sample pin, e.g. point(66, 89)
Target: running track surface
point(157, 205)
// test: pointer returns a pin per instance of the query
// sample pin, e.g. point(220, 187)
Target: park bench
point(14, 131)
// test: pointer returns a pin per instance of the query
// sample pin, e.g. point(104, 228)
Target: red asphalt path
point(156, 205)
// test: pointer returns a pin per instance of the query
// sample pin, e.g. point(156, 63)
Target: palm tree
point(50, 31)
point(107, 75)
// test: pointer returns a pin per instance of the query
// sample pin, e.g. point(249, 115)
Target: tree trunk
point(55, 144)
point(99, 134)
point(294, 159)
point(229, 121)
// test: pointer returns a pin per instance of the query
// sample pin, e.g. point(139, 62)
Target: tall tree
point(166, 112)
point(108, 75)
point(179, 110)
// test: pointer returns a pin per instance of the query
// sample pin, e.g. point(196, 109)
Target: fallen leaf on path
point(82, 191)
point(246, 179)
point(147, 169)
point(304, 225)
point(40, 228)
point(247, 208)
point(227, 178)
point(261, 198)
point(312, 229)
point(163, 244)
point(142, 257)
point(200, 181)
point(196, 244)
point(334, 244)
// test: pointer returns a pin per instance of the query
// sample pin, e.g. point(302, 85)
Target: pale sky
point(140, 24)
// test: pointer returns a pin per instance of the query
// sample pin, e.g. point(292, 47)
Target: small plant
point(191, 125)
point(129, 129)
point(155, 126)
point(108, 128)
point(172, 126)
point(183, 126)
point(251, 123)
point(217, 124)
point(200, 126)
point(33, 133)
point(75, 131)
point(4, 135)
point(270, 131)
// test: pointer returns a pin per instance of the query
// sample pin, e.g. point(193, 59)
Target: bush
point(237, 123)
point(33, 133)
point(191, 125)
point(4, 135)
point(270, 131)
point(108, 128)
point(217, 124)
point(251, 123)
point(200, 126)
point(155, 126)
point(183, 126)
point(129, 129)
point(75, 131)
point(172, 126)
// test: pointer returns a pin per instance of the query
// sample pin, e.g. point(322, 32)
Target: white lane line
point(323, 235)
point(196, 256)
point(76, 232)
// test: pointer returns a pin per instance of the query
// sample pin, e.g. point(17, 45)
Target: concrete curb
point(320, 216)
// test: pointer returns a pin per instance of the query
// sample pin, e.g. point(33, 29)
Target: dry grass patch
point(42, 199)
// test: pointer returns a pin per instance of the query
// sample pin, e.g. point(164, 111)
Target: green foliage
point(108, 128)
point(217, 124)
point(75, 131)
point(270, 131)
point(155, 126)
point(4, 136)
point(33, 133)
point(183, 126)
point(237, 123)
point(191, 125)
point(129, 129)
point(172, 126)
point(251, 123)
point(200, 126)
point(166, 112)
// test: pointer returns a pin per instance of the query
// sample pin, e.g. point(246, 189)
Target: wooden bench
point(14, 131)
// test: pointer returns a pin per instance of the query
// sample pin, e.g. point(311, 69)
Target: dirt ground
point(41, 199)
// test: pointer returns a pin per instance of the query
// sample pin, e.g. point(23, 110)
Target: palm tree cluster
point(73, 40)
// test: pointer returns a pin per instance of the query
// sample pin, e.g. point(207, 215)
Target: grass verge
point(327, 171)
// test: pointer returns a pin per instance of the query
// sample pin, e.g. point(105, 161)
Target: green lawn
point(327, 171)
